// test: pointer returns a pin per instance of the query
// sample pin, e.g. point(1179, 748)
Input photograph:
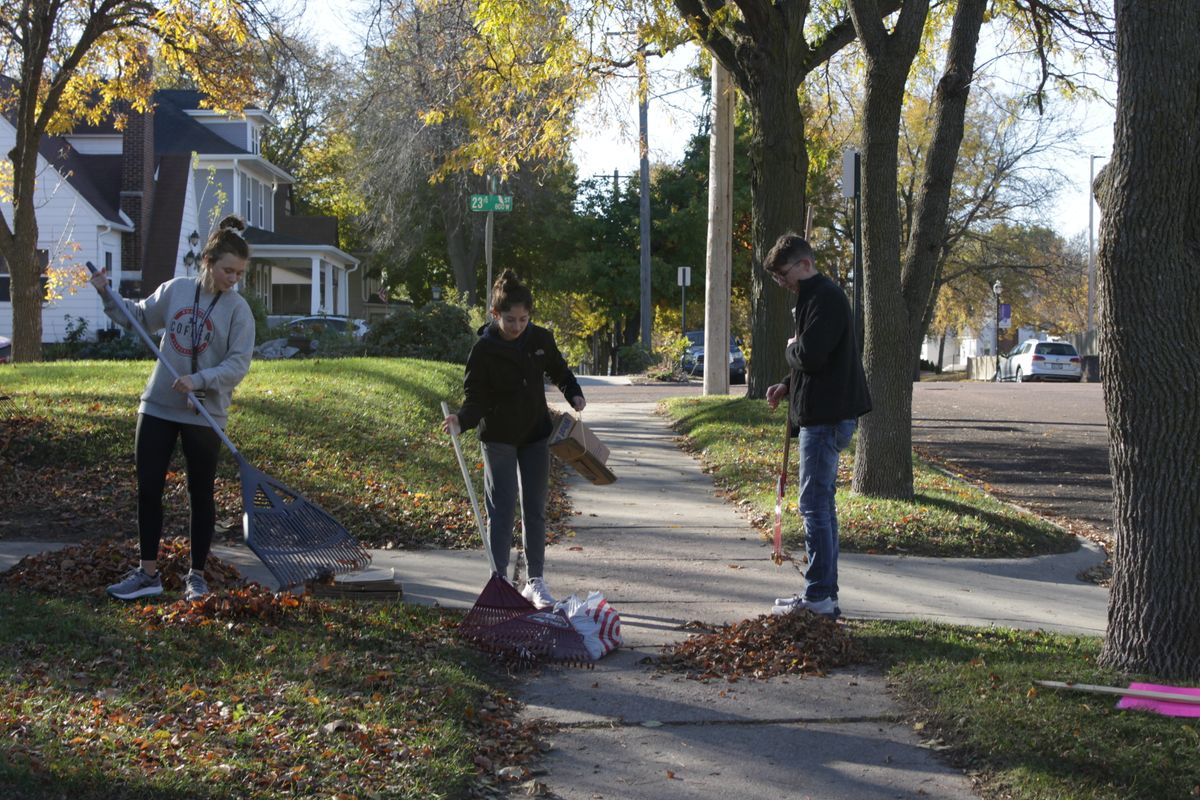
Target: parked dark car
point(693, 357)
point(5, 349)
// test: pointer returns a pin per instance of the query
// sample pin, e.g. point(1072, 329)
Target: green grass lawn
point(361, 437)
point(740, 442)
point(972, 696)
point(103, 700)
point(969, 690)
point(332, 699)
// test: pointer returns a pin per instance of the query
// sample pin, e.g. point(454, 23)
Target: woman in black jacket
point(506, 399)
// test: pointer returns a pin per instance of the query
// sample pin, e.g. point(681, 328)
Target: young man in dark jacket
point(827, 393)
point(505, 397)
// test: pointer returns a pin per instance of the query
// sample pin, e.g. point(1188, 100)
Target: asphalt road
point(1042, 446)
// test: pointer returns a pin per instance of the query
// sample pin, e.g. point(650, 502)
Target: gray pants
point(501, 464)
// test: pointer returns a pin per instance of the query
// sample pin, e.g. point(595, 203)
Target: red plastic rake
point(502, 621)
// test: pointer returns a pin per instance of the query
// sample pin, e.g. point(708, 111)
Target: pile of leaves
point(252, 602)
point(800, 643)
point(89, 568)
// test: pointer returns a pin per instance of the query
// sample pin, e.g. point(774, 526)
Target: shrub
point(634, 358)
point(111, 345)
point(262, 330)
point(929, 366)
point(436, 331)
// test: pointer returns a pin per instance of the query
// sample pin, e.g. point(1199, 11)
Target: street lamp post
point(996, 291)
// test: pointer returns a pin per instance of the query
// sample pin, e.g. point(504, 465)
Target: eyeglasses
point(780, 275)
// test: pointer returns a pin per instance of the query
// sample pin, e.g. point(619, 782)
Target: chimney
point(137, 184)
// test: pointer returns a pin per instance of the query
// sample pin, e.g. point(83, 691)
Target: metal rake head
point(295, 538)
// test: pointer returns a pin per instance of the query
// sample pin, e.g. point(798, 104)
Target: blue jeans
point(501, 465)
point(819, 449)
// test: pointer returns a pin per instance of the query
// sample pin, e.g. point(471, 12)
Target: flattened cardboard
point(575, 444)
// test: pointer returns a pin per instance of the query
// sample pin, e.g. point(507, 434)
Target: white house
point(142, 201)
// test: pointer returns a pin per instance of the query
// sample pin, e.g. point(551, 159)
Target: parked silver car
point(319, 323)
point(1034, 360)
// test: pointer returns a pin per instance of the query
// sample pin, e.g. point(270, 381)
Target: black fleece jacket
point(505, 391)
point(826, 382)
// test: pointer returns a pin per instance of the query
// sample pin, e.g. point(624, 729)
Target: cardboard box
point(575, 444)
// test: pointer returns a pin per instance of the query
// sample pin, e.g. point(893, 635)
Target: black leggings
point(153, 445)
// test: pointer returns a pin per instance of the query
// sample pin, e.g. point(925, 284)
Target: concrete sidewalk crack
point(696, 723)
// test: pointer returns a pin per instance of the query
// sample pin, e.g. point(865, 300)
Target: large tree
point(767, 49)
point(70, 61)
point(1149, 278)
point(457, 90)
point(897, 288)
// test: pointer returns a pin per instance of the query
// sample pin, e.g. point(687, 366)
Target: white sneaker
point(535, 591)
point(194, 586)
point(826, 608)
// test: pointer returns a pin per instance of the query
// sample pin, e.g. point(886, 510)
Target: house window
point(246, 186)
point(108, 261)
point(255, 139)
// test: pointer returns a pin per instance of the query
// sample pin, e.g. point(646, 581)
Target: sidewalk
point(665, 551)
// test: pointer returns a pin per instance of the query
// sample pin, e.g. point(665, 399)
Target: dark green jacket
point(504, 387)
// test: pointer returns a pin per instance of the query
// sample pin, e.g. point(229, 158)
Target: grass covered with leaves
point(361, 437)
point(972, 693)
point(740, 442)
point(100, 699)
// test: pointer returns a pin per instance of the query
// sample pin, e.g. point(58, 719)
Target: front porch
point(292, 278)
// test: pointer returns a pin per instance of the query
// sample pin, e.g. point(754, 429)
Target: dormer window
point(255, 139)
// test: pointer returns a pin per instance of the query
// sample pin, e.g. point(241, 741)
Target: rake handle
point(149, 342)
point(462, 465)
point(1147, 694)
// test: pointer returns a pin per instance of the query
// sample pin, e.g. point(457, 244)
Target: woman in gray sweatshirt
point(208, 336)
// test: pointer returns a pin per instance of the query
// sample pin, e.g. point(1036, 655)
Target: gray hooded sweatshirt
point(224, 346)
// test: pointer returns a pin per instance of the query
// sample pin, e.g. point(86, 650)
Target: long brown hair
point(225, 240)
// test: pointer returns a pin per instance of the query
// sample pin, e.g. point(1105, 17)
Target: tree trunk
point(27, 293)
point(883, 459)
point(18, 246)
point(898, 295)
point(778, 177)
point(463, 232)
point(1149, 288)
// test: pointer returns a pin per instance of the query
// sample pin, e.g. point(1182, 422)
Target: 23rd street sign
point(491, 202)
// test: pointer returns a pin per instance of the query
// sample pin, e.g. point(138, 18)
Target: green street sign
point(491, 202)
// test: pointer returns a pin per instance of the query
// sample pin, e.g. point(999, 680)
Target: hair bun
point(508, 280)
point(232, 223)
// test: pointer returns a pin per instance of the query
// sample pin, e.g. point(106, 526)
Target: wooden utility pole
point(719, 252)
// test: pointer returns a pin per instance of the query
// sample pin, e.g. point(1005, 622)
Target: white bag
point(596, 621)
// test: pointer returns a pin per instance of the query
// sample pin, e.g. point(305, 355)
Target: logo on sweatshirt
point(182, 333)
